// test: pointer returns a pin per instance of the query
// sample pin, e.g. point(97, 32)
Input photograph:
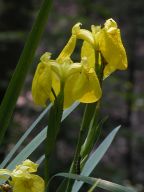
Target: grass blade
point(21, 140)
point(36, 142)
point(103, 184)
point(95, 158)
point(25, 61)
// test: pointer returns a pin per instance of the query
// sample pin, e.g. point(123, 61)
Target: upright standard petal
point(67, 50)
point(111, 48)
point(83, 34)
point(27, 166)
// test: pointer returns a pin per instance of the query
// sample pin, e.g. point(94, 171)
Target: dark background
point(123, 95)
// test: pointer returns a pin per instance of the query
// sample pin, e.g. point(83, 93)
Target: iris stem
point(93, 132)
point(75, 167)
point(91, 113)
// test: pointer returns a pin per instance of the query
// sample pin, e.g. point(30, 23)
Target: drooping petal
point(87, 88)
point(38, 184)
point(32, 184)
point(55, 86)
point(41, 85)
point(112, 48)
point(68, 90)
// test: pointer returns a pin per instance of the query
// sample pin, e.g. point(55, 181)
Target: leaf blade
point(95, 158)
point(103, 184)
point(22, 68)
point(24, 136)
point(36, 141)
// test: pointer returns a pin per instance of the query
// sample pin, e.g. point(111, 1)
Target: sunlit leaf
point(103, 184)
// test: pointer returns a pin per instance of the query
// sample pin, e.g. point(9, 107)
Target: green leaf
point(23, 66)
point(93, 187)
point(24, 136)
point(103, 184)
point(95, 158)
point(40, 159)
point(33, 145)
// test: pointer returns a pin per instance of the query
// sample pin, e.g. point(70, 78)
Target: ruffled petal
point(112, 48)
point(26, 166)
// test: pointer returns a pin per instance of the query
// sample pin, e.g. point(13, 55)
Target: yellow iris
point(23, 179)
point(107, 41)
point(79, 79)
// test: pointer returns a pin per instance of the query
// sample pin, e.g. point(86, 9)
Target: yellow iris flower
point(79, 79)
point(107, 41)
point(23, 179)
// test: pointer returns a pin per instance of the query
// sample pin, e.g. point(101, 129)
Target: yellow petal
point(33, 184)
point(28, 166)
point(88, 51)
point(67, 50)
point(32, 167)
point(83, 34)
point(5, 173)
point(112, 49)
point(38, 184)
point(41, 85)
point(87, 88)
point(68, 90)
point(110, 24)
point(55, 86)
point(76, 28)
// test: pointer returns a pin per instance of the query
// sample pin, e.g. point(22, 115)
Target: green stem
point(25, 61)
point(92, 133)
point(54, 121)
point(90, 113)
point(75, 167)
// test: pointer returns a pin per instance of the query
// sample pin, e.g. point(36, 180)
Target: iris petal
point(113, 51)
point(67, 50)
point(68, 90)
point(88, 51)
point(41, 86)
point(87, 88)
